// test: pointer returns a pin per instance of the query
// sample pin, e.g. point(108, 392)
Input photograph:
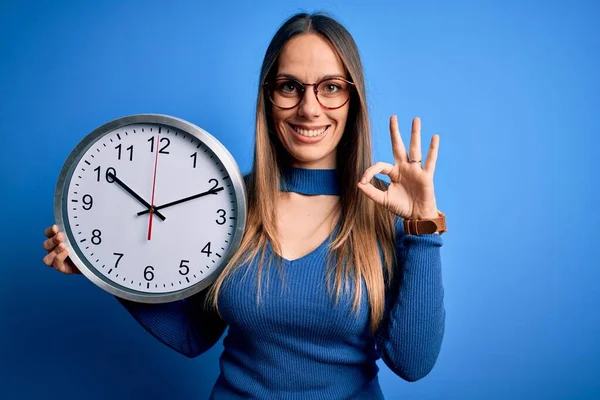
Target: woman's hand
point(57, 256)
point(410, 194)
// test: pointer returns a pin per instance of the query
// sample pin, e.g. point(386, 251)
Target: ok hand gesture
point(410, 194)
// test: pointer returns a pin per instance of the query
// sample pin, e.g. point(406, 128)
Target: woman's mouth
point(309, 135)
point(309, 132)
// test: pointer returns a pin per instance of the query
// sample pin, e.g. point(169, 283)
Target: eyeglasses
point(287, 93)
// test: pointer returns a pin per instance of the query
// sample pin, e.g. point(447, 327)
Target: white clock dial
point(194, 224)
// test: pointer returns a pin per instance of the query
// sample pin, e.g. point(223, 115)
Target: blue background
point(511, 87)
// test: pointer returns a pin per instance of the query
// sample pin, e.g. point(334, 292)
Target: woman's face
point(309, 132)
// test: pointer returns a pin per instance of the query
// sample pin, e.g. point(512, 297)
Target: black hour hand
point(134, 194)
point(211, 191)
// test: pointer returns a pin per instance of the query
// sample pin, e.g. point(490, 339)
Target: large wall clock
point(152, 207)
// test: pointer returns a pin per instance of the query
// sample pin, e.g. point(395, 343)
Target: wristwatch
point(422, 226)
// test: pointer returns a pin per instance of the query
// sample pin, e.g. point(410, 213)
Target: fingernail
point(364, 181)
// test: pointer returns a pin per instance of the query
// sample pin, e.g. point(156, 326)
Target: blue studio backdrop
point(511, 87)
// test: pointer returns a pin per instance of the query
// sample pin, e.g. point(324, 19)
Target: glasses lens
point(286, 93)
point(333, 93)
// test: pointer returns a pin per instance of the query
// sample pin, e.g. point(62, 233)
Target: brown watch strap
point(423, 226)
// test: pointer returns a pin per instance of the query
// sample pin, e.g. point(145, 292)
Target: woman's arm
point(410, 335)
point(182, 325)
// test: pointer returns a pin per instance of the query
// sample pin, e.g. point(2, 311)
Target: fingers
point(58, 253)
point(371, 191)
point(60, 260)
point(51, 231)
point(432, 154)
point(377, 168)
point(50, 258)
point(51, 243)
point(397, 145)
point(415, 140)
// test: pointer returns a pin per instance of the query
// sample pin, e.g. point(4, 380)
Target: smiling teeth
point(310, 133)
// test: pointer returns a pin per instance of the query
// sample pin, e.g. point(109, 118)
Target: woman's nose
point(309, 106)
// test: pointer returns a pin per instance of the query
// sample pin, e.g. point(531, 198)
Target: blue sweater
point(298, 344)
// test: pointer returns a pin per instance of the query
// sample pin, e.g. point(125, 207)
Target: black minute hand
point(134, 194)
point(211, 191)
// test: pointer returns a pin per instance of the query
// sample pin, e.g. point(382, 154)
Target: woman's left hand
point(410, 194)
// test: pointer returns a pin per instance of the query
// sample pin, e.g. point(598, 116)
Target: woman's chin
point(313, 161)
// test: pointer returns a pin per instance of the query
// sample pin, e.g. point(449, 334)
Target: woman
point(318, 222)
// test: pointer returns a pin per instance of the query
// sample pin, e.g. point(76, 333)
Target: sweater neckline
point(310, 181)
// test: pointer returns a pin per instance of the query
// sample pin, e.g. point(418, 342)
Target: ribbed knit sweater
point(298, 344)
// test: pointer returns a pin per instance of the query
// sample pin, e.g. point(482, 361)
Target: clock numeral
point(130, 149)
point(218, 221)
point(195, 157)
point(151, 140)
point(119, 256)
point(112, 171)
point(163, 150)
point(109, 170)
point(216, 184)
point(96, 239)
point(88, 201)
point(148, 273)
point(184, 267)
point(206, 250)
point(164, 139)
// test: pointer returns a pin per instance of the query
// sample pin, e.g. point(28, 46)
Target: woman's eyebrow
point(290, 76)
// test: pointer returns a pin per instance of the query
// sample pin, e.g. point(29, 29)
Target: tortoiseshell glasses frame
point(331, 92)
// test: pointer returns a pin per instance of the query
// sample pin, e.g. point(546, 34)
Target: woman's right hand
point(58, 255)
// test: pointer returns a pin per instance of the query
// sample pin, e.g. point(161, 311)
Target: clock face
point(160, 253)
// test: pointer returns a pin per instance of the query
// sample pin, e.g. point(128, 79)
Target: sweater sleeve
point(410, 336)
point(182, 325)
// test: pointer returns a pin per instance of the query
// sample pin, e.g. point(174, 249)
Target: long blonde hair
point(364, 225)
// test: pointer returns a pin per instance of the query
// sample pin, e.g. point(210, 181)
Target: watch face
point(152, 207)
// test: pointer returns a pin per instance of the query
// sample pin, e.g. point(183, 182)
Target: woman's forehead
point(309, 57)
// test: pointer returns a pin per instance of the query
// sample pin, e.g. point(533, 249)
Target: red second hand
point(153, 187)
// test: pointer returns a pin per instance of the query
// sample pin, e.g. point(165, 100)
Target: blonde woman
point(319, 221)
